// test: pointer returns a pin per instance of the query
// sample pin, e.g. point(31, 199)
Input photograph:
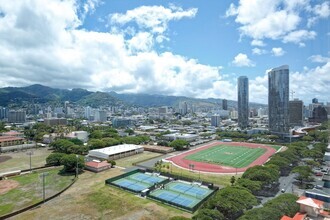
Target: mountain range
point(37, 93)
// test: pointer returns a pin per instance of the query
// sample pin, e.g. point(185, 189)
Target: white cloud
point(320, 11)
point(298, 36)
point(300, 82)
point(258, 51)
point(258, 43)
point(40, 42)
point(278, 51)
point(242, 60)
point(319, 59)
point(274, 19)
point(153, 18)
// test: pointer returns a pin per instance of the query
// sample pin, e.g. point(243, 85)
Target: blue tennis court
point(192, 190)
point(146, 178)
point(133, 185)
point(176, 198)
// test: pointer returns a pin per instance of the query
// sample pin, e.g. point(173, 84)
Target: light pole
point(77, 166)
point(30, 153)
point(43, 175)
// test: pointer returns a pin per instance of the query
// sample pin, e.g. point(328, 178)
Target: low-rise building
point(115, 152)
point(179, 136)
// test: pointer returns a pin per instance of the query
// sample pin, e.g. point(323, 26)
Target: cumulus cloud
point(258, 43)
point(319, 59)
point(258, 51)
point(242, 60)
point(278, 51)
point(154, 18)
point(42, 43)
point(301, 81)
point(274, 19)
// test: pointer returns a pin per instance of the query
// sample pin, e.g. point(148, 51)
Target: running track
point(213, 168)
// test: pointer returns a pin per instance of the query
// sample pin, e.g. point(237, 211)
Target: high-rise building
point(315, 100)
point(296, 108)
point(224, 104)
point(16, 116)
point(3, 112)
point(243, 101)
point(100, 116)
point(278, 100)
point(215, 120)
point(88, 112)
point(319, 115)
point(183, 108)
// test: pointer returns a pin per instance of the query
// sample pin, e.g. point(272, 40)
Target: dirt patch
point(4, 158)
point(6, 185)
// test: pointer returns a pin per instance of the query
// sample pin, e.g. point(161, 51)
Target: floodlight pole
point(43, 186)
point(30, 154)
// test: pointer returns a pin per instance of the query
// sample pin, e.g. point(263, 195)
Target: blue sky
point(191, 48)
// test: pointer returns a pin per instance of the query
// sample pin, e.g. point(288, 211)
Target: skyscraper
point(243, 101)
point(224, 104)
point(278, 100)
point(296, 112)
point(183, 108)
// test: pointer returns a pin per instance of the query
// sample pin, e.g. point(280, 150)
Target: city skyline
point(195, 49)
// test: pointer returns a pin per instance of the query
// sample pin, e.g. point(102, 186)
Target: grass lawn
point(220, 180)
point(29, 190)
point(90, 198)
point(128, 161)
point(233, 156)
point(20, 160)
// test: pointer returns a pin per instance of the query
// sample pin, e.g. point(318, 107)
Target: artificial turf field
point(233, 156)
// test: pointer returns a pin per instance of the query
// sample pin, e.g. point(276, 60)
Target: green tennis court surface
point(233, 156)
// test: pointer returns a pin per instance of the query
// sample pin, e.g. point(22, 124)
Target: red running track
point(213, 168)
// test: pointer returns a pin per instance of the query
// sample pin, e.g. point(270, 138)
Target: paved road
point(286, 184)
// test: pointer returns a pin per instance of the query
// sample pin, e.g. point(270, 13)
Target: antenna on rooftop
point(292, 92)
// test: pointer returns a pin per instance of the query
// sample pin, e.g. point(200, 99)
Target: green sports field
point(233, 156)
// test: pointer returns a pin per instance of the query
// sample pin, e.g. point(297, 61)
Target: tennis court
point(192, 190)
point(181, 194)
point(176, 198)
point(136, 181)
point(233, 156)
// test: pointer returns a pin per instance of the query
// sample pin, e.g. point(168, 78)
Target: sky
point(194, 48)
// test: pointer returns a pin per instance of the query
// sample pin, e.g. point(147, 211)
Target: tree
point(304, 173)
point(212, 214)
point(69, 161)
point(129, 131)
point(179, 144)
point(96, 144)
point(263, 174)
point(284, 204)
point(54, 159)
point(96, 134)
point(232, 180)
point(61, 145)
point(252, 186)
point(232, 201)
point(76, 141)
